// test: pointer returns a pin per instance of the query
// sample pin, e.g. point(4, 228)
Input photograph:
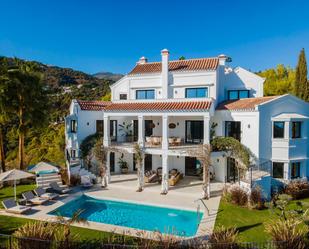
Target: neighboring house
point(169, 107)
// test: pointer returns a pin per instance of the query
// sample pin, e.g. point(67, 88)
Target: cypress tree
point(301, 82)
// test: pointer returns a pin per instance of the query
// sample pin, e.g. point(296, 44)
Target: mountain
point(108, 75)
point(56, 77)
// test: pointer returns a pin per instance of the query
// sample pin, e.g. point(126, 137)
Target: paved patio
point(185, 195)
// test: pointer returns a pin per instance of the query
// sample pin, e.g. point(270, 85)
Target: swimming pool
point(143, 217)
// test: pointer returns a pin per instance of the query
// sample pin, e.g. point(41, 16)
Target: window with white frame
point(278, 170)
point(296, 129)
point(278, 129)
point(73, 126)
point(295, 170)
point(237, 94)
point(200, 92)
point(145, 94)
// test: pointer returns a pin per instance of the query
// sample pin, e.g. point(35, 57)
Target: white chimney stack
point(164, 74)
point(222, 59)
point(142, 60)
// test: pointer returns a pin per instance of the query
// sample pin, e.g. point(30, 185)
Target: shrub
point(75, 180)
point(239, 196)
point(256, 198)
point(35, 230)
point(289, 231)
point(298, 189)
point(223, 236)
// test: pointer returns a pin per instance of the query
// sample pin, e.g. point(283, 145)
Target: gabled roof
point(160, 106)
point(244, 104)
point(93, 105)
point(177, 66)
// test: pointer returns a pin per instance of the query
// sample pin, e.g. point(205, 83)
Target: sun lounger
point(35, 200)
point(151, 176)
point(41, 192)
point(86, 181)
point(58, 189)
point(11, 207)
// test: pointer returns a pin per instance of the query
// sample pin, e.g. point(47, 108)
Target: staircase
point(45, 179)
point(77, 169)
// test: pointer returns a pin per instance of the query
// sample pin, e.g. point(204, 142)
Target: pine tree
point(301, 85)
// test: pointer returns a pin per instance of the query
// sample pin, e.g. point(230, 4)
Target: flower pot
point(124, 170)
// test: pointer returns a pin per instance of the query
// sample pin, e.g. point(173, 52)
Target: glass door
point(232, 170)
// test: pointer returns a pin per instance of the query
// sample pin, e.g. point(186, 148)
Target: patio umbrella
point(14, 175)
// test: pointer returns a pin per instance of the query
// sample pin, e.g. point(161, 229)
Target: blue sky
point(102, 35)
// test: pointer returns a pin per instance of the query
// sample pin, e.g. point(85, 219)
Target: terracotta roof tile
point(179, 65)
point(160, 106)
point(243, 104)
point(93, 105)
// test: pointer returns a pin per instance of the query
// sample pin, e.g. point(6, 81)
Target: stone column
point(164, 186)
point(106, 138)
point(165, 132)
point(141, 131)
point(206, 130)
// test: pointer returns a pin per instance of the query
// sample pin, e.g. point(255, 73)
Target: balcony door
point(148, 162)
point(194, 131)
point(135, 130)
point(148, 128)
point(191, 166)
point(112, 162)
point(113, 130)
point(232, 129)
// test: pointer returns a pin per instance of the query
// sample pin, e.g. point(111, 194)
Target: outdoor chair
point(151, 176)
point(31, 198)
point(11, 207)
point(58, 189)
point(41, 192)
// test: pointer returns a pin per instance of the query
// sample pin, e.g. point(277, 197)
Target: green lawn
point(9, 224)
point(250, 223)
point(8, 192)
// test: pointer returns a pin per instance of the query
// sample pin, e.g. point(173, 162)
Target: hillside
point(108, 76)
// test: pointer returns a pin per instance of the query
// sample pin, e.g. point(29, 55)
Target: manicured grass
point(249, 222)
point(8, 192)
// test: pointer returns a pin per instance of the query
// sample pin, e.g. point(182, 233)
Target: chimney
point(222, 59)
point(164, 73)
point(142, 60)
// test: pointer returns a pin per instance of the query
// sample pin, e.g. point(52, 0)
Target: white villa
point(172, 106)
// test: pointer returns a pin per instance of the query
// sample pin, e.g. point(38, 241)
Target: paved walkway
point(123, 188)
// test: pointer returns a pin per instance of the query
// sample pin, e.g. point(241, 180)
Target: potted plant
point(123, 165)
point(127, 131)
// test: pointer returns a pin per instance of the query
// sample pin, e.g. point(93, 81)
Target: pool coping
point(204, 229)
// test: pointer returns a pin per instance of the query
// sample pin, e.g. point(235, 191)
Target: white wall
point(237, 79)
point(249, 127)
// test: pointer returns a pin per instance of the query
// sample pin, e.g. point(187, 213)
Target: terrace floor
point(123, 187)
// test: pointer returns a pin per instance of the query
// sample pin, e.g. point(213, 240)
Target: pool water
point(143, 217)
point(46, 172)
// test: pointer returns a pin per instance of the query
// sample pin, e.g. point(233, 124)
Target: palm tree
point(27, 100)
point(67, 223)
point(203, 154)
point(139, 158)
